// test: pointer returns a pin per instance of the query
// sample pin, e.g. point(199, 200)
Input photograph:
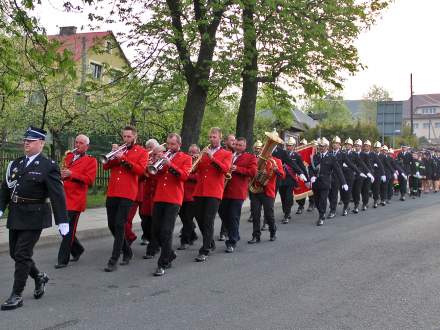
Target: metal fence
point(8, 156)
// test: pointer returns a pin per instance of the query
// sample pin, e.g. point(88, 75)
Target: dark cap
point(33, 134)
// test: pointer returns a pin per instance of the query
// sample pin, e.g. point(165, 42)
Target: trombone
point(105, 158)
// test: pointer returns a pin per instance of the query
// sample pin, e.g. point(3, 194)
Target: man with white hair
point(78, 172)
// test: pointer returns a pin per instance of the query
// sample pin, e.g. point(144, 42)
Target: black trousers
point(301, 202)
point(70, 244)
point(187, 214)
point(320, 197)
point(333, 195)
point(206, 210)
point(21, 249)
point(346, 195)
point(402, 185)
point(286, 194)
point(384, 190)
point(164, 220)
point(415, 185)
point(230, 213)
point(356, 190)
point(117, 212)
point(146, 223)
point(390, 188)
point(375, 188)
point(365, 190)
point(260, 200)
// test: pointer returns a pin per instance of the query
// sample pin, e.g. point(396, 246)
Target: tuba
point(262, 178)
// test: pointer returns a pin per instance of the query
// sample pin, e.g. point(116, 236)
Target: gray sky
point(405, 40)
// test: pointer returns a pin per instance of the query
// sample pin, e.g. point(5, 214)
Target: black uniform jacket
point(35, 185)
point(322, 168)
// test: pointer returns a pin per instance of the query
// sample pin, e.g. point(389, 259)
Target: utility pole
point(412, 106)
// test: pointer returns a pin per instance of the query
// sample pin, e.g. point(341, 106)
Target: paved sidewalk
point(92, 224)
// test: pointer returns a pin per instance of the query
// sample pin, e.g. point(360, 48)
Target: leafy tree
point(369, 103)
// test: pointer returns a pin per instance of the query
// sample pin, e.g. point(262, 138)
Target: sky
point(403, 41)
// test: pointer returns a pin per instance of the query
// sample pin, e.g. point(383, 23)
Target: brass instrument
point(158, 165)
point(262, 178)
point(199, 158)
point(62, 160)
point(104, 159)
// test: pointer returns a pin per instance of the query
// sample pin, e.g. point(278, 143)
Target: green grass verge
point(96, 200)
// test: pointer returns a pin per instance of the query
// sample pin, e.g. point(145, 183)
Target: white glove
point(371, 177)
point(345, 187)
point(383, 178)
point(395, 176)
point(303, 177)
point(308, 184)
point(404, 176)
point(363, 175)
point(1, 214)
point(63, 229)
point(313, 179)
point(417, 174)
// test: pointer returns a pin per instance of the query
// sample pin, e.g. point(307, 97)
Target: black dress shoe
point(159, 271)
point(76, 258)
point(285, 221)
point(254, 240)
point(182, 246)
point(58, 266)
point(383, 203)
point(111, 266)
point(250, 219)
point(331, 215)
point(375, 205)
point(14, 301)
point(229, 249)
point(310, 209)
point(273, 238)
point(355, 210)
point(264, 227)
point(201, 258)
point(222, 238)
point(299, 211)
point(148, 256)
point(344, 212)
point(402, 198)
point(125, 261)
point(143, 241)
point(364, 207)
point(40, 284)
point(320, 222)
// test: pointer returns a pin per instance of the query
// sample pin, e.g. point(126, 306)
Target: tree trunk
point(193, 114)
point(246, 111)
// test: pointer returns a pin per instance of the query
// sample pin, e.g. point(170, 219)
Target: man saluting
point(31, 182)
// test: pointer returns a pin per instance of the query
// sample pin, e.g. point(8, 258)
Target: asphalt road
point(377, 270)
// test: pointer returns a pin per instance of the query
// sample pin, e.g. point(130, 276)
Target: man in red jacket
point(167, 200)
point(125, 169)
point(266, 199)
point(244, 167)
point(211, 171)
point(78, 173)
point(188, 210)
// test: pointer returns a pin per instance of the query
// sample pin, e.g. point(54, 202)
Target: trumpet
point(197, 161)
point(104, 159)
point(158, 165)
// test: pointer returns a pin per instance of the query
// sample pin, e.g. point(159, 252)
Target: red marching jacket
point(269, 189)
point(171, 178)
point(124, 173)
point(146, 207)
point(238, 186)
point(83, 174)
point(211, 174)
point(188, 188)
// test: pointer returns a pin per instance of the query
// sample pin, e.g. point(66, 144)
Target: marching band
point(162, 182)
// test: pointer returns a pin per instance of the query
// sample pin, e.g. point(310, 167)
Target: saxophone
point(262, 178)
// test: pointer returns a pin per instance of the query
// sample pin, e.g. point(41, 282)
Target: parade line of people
point(161, 182)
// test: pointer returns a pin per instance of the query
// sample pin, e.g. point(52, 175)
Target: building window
point(96, 70)
point(416, 125)
point(425, 125)
point(108, 47)
point(428, 110)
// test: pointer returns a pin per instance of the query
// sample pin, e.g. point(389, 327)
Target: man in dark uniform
point(398, 171)
point(31, 181)
point(366, 184)
point(405, 159)
point(354, 156)
point(389, 174)
point(321, 171)
point(287, 184)
point(349, 170)
point(378, 172)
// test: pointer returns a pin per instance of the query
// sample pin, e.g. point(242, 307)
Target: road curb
point(91, 233)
